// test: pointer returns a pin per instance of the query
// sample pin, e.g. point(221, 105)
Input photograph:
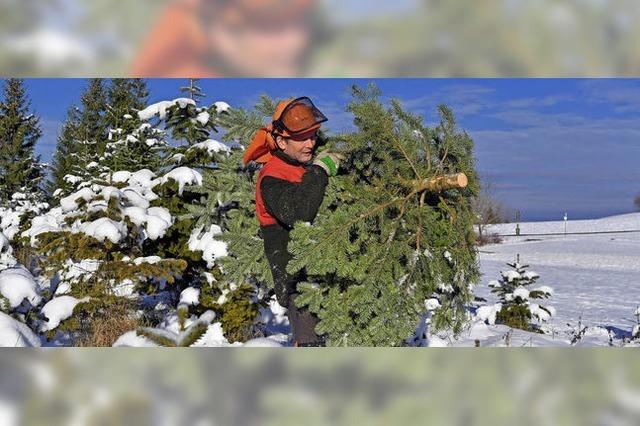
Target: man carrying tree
point(290, 188)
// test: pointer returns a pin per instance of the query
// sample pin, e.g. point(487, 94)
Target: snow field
point(595, 278)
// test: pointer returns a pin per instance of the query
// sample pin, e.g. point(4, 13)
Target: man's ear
point(282, 144)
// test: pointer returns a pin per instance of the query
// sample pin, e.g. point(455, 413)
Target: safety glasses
point(299, 116)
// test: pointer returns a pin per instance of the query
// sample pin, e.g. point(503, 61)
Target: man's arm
point(290, 202)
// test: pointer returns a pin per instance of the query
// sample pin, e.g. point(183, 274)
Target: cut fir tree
point(391, 232)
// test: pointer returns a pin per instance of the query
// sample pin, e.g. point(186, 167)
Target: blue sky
point(547, 145)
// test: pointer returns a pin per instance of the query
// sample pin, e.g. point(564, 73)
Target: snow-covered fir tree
point(196, 235)
point(117, 247)
point(81, 143)
point(95, 243)
point(128, 133)
point(516, 292)
point(134, 146)
point(20, 168)
point(100, 242)
point(21, 192)
point(226, 207)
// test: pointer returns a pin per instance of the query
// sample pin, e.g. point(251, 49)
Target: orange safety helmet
point(292, 117)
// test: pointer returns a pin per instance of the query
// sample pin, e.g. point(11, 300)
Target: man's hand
point(329, 161)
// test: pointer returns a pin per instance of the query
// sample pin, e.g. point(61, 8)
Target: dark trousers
point(303, 323)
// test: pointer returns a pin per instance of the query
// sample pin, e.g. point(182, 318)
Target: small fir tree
point(195, 236)
point(515, 307)
point(635, 331)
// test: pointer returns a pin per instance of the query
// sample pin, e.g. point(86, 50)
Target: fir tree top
point(92, 122)
point(193, 90)
point(125, 96)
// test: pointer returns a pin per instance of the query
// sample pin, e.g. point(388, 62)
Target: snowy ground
point(596, 277)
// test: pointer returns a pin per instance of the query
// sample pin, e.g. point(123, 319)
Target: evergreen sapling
point(516, 307)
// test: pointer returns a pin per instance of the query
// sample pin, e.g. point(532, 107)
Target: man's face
point(300, 147)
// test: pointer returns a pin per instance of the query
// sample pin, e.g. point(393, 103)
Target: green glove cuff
point(333, 170)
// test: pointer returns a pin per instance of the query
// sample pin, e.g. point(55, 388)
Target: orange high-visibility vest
point(280, 169)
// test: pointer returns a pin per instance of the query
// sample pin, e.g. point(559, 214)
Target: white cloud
point(622, 95)
point(531, 102)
